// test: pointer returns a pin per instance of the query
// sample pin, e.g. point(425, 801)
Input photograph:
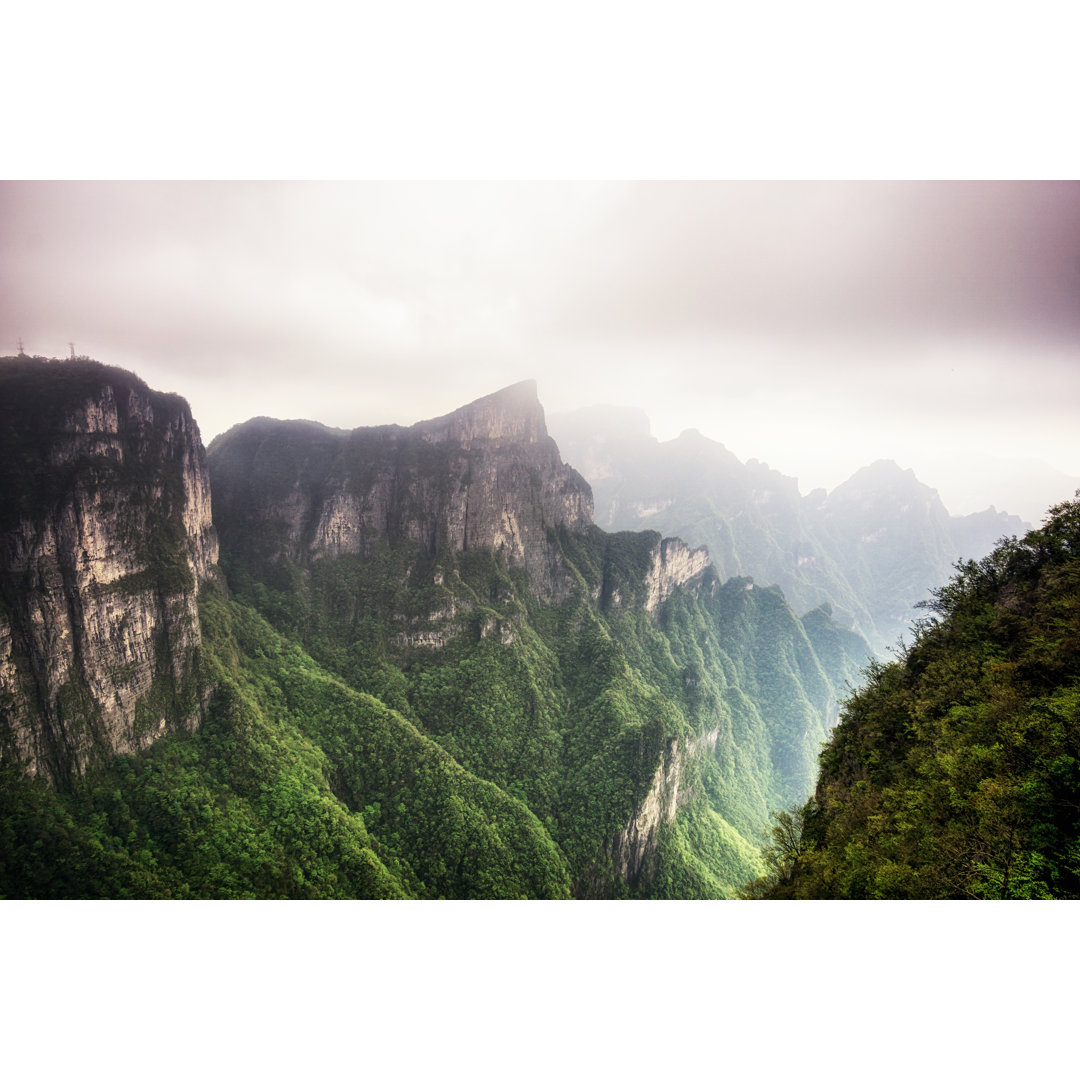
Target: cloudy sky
point(816, 326)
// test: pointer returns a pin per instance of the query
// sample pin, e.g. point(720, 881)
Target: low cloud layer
point(817, 326)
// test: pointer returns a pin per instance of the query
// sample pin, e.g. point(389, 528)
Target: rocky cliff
point(486, 476)
point(629, 850)
point(871, 550)
point(105, 535)
point(673, 564)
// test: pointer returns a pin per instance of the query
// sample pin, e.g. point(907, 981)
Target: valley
point(407, 661)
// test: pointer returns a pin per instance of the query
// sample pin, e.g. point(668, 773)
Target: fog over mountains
point(419, 669)
point(872, 548)
point(970, 480)
point(818, 326)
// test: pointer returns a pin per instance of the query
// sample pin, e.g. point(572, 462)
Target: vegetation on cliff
point(300, 785)
point(573, 707)
point(871, 549)
point(431, 676)
point(955, 772)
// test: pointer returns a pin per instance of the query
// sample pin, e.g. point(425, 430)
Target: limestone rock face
point(630, 848)
point(105, 535)
point(486, 476)
point(630, 845)
point(673, 564)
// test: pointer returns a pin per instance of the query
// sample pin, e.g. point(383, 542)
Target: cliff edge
point(105, 535)
point(486, 476)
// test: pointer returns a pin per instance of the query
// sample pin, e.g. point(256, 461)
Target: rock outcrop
point(105, 535)
point(627, 852)
point(673, 564)
point(629, 847)
point(486, 476)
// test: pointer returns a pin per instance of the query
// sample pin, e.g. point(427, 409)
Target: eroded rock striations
point(486, 476)
point(105, 535)
point(673, 564)
point(630, 848)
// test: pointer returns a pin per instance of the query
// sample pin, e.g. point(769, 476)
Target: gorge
point(416, 667)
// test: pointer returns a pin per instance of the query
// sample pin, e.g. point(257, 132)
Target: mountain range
point(406, 661)
point(871, 549)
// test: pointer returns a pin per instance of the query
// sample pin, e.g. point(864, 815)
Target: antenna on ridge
point(22, 351)
point(71, 344)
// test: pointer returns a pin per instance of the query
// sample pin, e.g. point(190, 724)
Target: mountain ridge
point(857, 548)
point(423, 670)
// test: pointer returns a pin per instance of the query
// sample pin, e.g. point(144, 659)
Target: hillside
point(429, 673)
point(955, 772)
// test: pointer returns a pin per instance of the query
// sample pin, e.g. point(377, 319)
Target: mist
point(816, 326)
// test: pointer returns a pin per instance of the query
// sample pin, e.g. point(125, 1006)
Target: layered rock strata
point(486, 476)
point(673, 564)
point(105, 535)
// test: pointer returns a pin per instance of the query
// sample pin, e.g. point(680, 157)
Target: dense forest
point(574, 713)
point(487, 771)
point(955, 771)
point(405, 663)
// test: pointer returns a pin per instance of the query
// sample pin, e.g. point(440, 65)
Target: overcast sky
point(815, 326)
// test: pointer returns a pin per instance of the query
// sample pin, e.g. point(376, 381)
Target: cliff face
point(486, 476)
point(673, 564)
point(105, 534)
point(630, 848)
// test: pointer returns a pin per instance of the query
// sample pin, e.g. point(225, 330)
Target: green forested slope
point(424, 673)
point(296, 786)
point(572, 707)
point(955, 773)
point(508, 766)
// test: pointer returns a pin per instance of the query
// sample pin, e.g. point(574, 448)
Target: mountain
point(105, 541)
point(604, 680)
point(893, 539)
point(872, 549)
point(420, 670)
point(750, 517)
point(955, 772)
point(310, 492)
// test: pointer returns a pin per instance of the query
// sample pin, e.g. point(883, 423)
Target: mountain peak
point(485, 476)
point(513, 413)
point(881, 476)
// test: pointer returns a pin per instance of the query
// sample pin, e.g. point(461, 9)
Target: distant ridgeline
point(955, 773)
point(429, 674)
point(872, 549)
